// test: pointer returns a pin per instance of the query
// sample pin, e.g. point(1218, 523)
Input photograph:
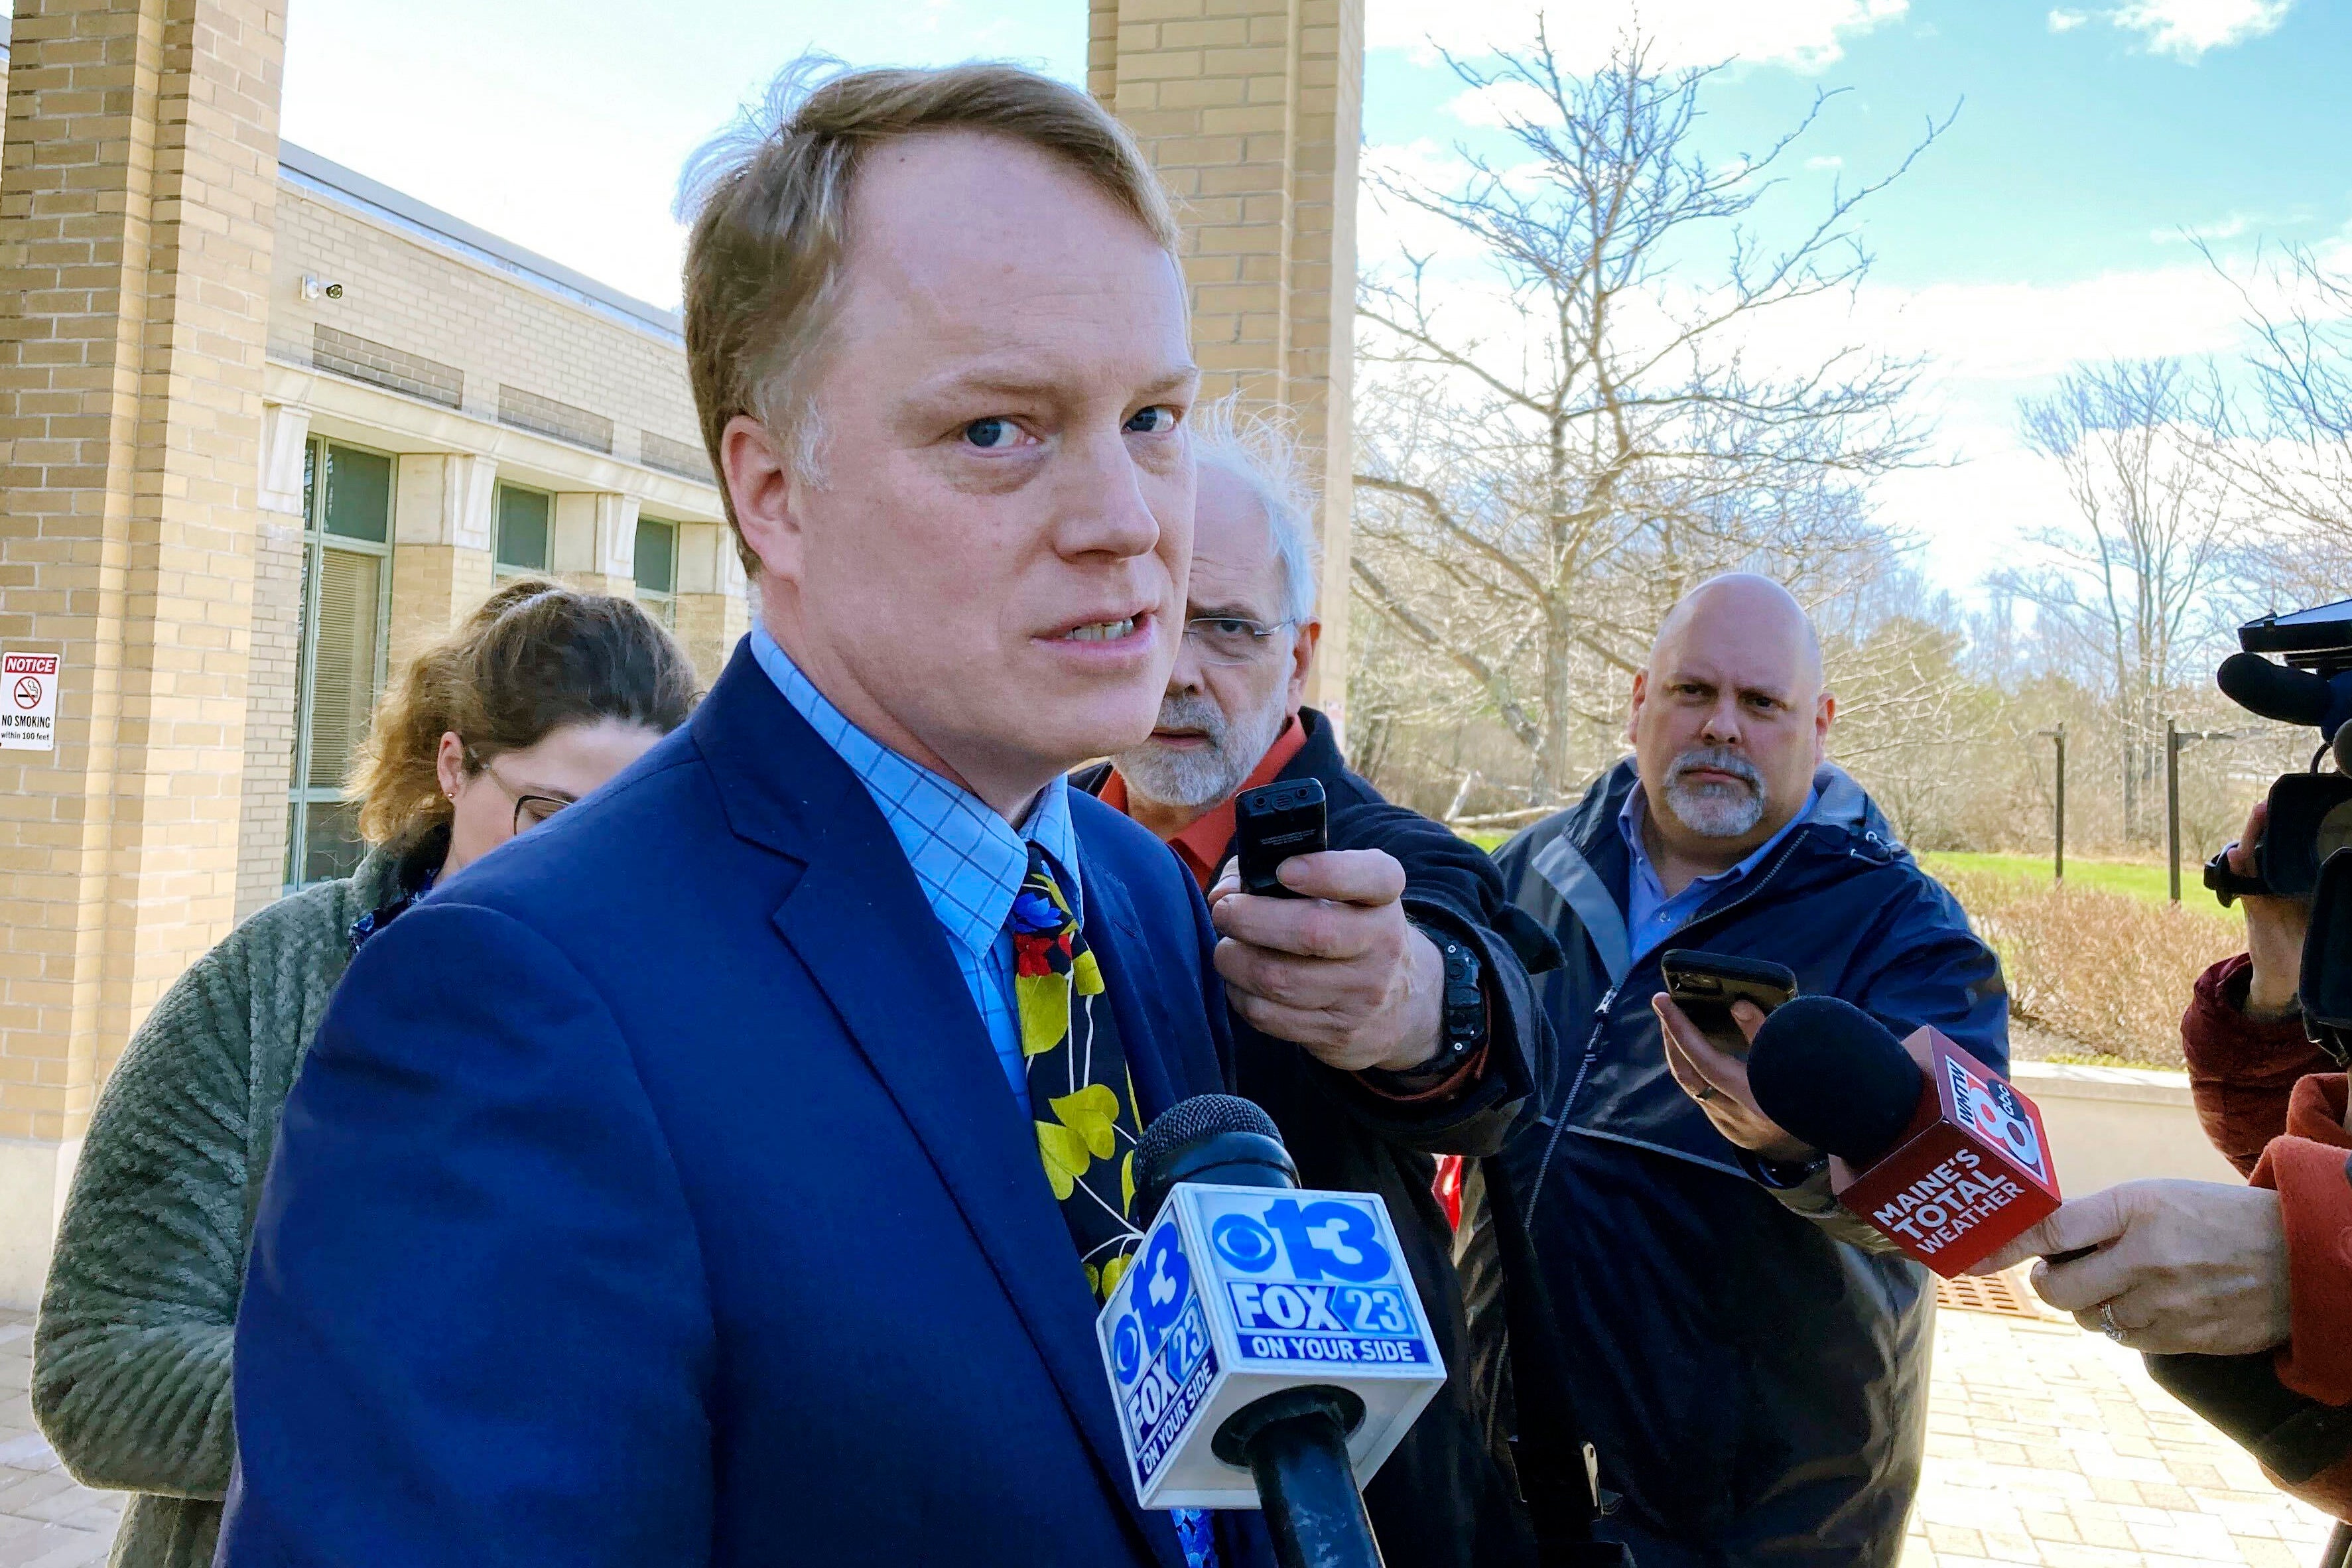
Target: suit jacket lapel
point(857, 921)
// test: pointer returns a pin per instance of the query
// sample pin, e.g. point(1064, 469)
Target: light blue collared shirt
point(968, 860)
point(1651, 917)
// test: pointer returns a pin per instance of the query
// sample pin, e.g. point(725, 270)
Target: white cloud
point(1803, 34)
point(1831, 161)
point(2229, 228)
point(2067, 21)
point(2185, 29)
point(1499, 103)
point(2019, 331)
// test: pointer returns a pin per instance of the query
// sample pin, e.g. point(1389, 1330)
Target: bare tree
point(2129, 585)
point(2291, 452)
point(1532, 499)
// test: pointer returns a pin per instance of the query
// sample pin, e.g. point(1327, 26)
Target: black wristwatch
point(1462, 1018)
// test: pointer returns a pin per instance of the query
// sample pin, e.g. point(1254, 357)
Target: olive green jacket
point(131, 1361)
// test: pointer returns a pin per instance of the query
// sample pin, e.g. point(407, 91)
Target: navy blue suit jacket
point(653, 1196)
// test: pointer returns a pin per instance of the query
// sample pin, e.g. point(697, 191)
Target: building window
point(522, 530)
point(657, 569)
point(346, 609)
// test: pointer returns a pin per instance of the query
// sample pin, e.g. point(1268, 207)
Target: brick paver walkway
point(46, 1520)
point(2049, 1445)
point(2046, 1445)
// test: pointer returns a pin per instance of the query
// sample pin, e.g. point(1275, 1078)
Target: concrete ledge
point(2119, 1124)
point(34, 1175)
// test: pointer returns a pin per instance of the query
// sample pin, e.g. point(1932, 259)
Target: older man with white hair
point(1402, 960)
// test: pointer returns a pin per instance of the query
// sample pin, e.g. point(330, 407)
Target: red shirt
point(1202, 845)
point(1201, 848)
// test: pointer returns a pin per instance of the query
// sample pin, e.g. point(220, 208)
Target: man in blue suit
point(727, 1172)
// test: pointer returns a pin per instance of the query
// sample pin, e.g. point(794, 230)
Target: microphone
point(1945, 1158)
point(2277, 691)
point(1267, 1349)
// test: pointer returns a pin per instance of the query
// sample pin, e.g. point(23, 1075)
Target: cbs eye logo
point(1244, 1242)
point(1127, 1349)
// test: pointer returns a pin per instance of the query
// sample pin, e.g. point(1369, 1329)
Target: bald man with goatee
point(1655, 1269)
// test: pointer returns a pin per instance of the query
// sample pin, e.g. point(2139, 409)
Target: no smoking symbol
point(28, 691)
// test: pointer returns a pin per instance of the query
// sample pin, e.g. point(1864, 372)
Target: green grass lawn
point(2141, 878)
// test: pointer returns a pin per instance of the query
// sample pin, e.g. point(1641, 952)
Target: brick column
point(1251, 112)
point(593, 542)
point(714, 609)
point(442, 523)
point(137, 189)
point(273, 677)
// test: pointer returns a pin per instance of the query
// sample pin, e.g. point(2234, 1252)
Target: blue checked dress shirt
point(968, 860)
point(970, 863)
point(1651, 917)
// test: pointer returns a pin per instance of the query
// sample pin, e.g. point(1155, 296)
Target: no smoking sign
point(28, 719)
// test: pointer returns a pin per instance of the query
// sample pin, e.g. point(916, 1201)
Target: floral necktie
point(1080, 1095)
point(1082, 1102)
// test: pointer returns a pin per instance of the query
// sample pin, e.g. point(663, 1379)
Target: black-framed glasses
point(529, 809)
point(1231, 639)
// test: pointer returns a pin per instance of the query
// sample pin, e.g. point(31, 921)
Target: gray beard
point(1198, 780)
point(1715, 811)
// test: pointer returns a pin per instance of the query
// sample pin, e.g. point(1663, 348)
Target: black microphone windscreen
point(2278, 692)
point(1834, 1077)
point(1190, 1121)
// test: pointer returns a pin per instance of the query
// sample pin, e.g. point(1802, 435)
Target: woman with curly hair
point(540, 698)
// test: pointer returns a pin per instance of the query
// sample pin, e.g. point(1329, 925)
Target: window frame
point(662, 602)
point(301, 795)
point(502, 570)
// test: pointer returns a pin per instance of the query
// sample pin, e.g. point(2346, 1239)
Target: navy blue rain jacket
point(1757, 1390)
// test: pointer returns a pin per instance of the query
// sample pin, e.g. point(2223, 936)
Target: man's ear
point(1302, 662)
point(763, 491)
point(1824, 715)
point(1634, 715)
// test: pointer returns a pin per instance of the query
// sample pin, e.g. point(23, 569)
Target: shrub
point(2109, 971)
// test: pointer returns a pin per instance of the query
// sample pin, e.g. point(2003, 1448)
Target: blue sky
point(2045, 226)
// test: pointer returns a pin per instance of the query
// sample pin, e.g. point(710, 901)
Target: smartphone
point(1275, 822)
point(1705, 984)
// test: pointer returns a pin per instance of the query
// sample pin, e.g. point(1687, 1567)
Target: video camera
point(2305, 848)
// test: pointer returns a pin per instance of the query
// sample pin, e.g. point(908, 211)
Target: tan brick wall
point(434, 587)
point(270, 693)
point(406, 293)
point(713, 607)
point(1251, 110)
point(136, 195)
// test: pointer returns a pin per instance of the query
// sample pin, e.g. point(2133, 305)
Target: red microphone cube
point(1971, 1172)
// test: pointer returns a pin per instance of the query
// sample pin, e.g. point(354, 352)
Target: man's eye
point(992, 434)
point(1226, 626)
point(1156, 420)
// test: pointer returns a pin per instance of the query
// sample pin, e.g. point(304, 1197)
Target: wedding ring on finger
point(2108, 1324)
point(1704, 1093)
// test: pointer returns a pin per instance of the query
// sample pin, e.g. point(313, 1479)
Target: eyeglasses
point(1229, 639)
point(530, 810)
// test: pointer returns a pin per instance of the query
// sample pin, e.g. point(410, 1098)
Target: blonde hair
point(768, 200)
point(532, 657)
